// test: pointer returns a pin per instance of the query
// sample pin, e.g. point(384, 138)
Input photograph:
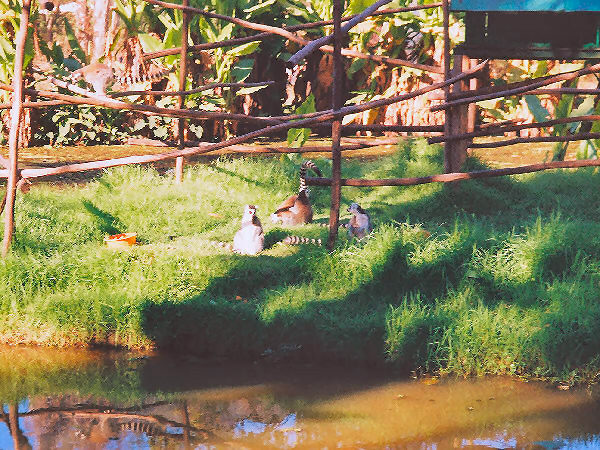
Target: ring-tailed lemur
point(296, 209)
point(360, 224)
point(250, 239)
point(100, 76)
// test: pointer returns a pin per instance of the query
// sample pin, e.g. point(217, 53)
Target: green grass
point(486, 276)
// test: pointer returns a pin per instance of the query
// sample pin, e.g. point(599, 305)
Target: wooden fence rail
point(456, 176)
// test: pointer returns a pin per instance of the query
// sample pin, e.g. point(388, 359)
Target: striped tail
point(139, 427)
point(151, 74)
point(308, 164)
point(299, 240)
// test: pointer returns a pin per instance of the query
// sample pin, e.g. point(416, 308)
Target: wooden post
point(15, 121)
point(182, 79)
point(336, 126)
point(455, 151)
point(449, 112)
point(474, 84)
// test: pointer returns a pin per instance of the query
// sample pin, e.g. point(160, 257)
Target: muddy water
point(85, 399)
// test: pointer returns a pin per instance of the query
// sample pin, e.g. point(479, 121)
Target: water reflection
point(85, 399)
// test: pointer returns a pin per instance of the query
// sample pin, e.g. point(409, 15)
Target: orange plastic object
point(121, 240)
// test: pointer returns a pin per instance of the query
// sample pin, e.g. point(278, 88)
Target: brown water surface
point(91, 399)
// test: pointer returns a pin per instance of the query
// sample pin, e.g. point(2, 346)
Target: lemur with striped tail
point(101, 76)
point(250, 238)
point(296, 209)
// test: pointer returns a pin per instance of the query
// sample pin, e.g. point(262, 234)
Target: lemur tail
point(308, 164)
point(299, 240)
point(153, 73)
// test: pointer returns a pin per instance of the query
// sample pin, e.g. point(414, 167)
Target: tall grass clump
point(485, 276)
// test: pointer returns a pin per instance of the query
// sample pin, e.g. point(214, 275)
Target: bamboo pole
point(181, 100)
point(336, 126)
point(565, 91)
point(519, 90)
point(389, 128)
point(115, 104)
point(263, 36)
point(38, 104)
point(526, 140)
point(491, 129)
point(206, 87)
point(15, 121)
point(457, 176)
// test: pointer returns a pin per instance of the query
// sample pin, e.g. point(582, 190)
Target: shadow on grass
point(240, 177)
point(107, 223)
point(511, 247)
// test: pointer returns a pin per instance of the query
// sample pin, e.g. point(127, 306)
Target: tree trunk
point(100, 27)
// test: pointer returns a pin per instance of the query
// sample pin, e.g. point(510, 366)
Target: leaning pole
point(336, 126)
point(15, 120)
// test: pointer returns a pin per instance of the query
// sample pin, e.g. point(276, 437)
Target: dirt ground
point(48, 156)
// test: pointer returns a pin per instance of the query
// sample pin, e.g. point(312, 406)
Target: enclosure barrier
point(456, 100)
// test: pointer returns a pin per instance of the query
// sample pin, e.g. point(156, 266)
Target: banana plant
point(10, 11)
point(569, 106)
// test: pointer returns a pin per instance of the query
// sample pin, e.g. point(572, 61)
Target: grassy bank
point(490, 276)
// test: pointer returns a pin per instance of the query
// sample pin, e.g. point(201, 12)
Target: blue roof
point(525, 5)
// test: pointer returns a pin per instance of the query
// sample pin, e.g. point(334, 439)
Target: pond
point(98, 399)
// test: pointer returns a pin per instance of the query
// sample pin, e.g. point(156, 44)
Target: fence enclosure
point(461, 92)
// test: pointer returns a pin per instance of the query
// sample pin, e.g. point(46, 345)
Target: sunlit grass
point(488, 276)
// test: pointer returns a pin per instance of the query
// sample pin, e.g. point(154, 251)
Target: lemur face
point(355, 208)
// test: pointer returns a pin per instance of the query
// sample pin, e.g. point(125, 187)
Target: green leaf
point(297, 137)
point(226, 32)
point(197, 130)
point(150, 43)
point(356, 65)
point(586, 107)
point(559, 151)
point(161, 132)
point(259, 8)
point(74, 43)
point(587, 150)
point(244, 49)
point(358, 6)
point(249, 90)
point(242, 70)
point(535, 107)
